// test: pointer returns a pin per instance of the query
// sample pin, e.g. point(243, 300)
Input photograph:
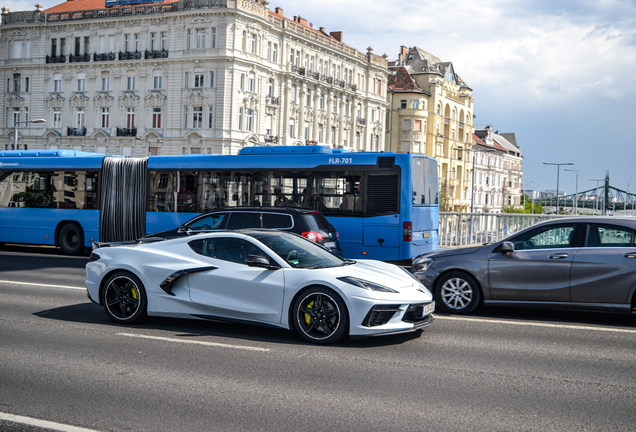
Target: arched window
point(453, 115)
point(439, 109)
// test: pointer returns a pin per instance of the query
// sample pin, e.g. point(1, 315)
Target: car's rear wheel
point(124, 298)
point(457, 292)
point(320, 316)
point(71, 239)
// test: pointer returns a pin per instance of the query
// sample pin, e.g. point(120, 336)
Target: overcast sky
point(560, 74)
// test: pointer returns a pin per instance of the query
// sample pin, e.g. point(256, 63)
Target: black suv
point(310, 224)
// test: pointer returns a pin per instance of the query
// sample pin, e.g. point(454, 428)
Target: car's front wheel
point(457, 292)
point(320, 316)
point(124, 298)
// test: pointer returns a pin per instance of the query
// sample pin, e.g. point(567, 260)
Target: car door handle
point(630, 255)
point(559, 256)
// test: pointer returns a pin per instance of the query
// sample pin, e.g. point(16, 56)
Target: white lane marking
point(187, 341)
point(43, 285)
point(534, 324)
point(11, 419)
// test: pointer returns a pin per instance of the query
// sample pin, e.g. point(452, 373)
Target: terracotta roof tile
point(401, 80)
point(80, 5)
point(499, 146)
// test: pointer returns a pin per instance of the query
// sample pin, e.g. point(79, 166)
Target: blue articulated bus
point(384, 205)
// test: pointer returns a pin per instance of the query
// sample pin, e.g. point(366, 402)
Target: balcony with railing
point(126, 132)
point(104, 57)
point(327, 79)
point(270, 139)
point(76, 131)
point(340, 83)
point(157, 54)
point(314, 75)
point(76, 58)
point(353, 87)
point(132, 55)
point(271, 100)
point(56, 59)
point(361, 121)
point(299, 70)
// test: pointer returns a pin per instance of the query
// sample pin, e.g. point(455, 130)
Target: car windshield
point(299, 252)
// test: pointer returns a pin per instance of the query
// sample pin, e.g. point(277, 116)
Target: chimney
point(337, 35)
point(279, 11)
point(302, 21)
point(402, 55)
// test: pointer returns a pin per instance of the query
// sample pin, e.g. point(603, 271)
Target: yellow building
point(431, 112)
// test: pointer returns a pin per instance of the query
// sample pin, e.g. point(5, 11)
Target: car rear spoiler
point(98, 245)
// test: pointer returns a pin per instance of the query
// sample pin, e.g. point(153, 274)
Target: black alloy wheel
point(320, 316)
point(457, 292)
point(124, 298)
point(71, 239)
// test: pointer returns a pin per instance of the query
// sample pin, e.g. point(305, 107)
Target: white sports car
point(258, 276)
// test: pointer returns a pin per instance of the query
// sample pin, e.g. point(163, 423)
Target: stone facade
point(431, 113)
point(190, 76)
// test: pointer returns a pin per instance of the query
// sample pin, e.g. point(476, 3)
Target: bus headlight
point(421, 264)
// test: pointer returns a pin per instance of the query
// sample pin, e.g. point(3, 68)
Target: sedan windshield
point(299, 252)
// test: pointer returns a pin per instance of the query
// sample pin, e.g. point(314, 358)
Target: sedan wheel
point(457, 292)
point(320, 316)
point(124, 298)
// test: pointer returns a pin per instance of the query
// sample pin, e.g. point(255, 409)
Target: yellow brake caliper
point(134, 292)
point(309, 306)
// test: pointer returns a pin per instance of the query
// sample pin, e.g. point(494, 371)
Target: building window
point(81, 82)
point(416, 104)
point(105, 117)
point(197, 117)
point(16, 116)
point(156, 118)
point(270, 87)
point(79, 118)
point(137, 42)
point(57, 118)
point(275, 54)
point(251, 82)
point(210, 118)
point(252, 43)
point(17, 80)
point(26, 84)
point(322, 101)
point(406, 126)
point(105, 82)
point(307, 131)
point(127, 43)
point(130, 81)
point(53, 47)
point(164, 40)
point(417, 126)
point(249, 120)
point(157, 82)
point(198, 80)
point(211, 79)
point(403, 104)
point(292, 124)
point(320, 133)
point(213, 35)
point(439, 109)
point(308, 99)
point(130, 118)
point(293, 93)
point(200, 35)
point(153, 41)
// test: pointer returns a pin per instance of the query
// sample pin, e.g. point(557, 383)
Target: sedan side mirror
point(259, 261)
point(505, 247)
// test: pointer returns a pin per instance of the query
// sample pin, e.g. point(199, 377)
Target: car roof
point(626, 221)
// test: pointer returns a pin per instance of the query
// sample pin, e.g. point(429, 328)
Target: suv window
point(317, 221)
point(226, 249)
point(552, 237)
point(277, 220)
point(240, 220)
point(608, 236)
point(214, 221)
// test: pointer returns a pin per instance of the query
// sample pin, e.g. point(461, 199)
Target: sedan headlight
point(361, 283)
point(421, 264)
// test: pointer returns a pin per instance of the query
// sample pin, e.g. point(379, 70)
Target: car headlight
point(421, 264)
point(361, 283)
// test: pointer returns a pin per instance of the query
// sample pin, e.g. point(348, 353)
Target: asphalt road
point(63, 361)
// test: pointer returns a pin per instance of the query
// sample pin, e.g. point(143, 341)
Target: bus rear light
point(313, 236)
point(408, 231)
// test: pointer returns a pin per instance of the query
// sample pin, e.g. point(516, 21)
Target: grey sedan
point(585, 263)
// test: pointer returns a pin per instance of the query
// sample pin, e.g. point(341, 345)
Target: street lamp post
point(558, 169)
point(596, 200)
point(576, 203)
point(148, 142)
point(15, 130)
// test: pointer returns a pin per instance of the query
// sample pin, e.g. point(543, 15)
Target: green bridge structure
point(600, 200)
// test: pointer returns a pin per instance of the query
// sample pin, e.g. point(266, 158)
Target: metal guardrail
point(461, 229)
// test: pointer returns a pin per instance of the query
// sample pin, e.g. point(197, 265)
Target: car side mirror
point(505, 247)
point(259, 261)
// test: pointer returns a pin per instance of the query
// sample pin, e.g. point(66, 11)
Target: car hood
point(452, 252)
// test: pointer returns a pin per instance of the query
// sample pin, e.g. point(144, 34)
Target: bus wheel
point(71, 239)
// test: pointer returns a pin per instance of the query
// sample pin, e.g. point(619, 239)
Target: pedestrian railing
point(461, 229)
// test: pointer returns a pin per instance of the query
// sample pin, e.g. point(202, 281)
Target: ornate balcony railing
point(56, 59)
point(361, 121)
point(314, 75)
point(271, 139)
point(272, 100)
point(341, 83)
point(353, 87)
point(126, 132)
point(104, 57)
point(156, 54)
point(299, 70)
point(76, 58)
point(135, 55)
point(328, 80)
point(76, 131)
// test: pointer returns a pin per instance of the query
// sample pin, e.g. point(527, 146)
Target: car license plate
point(330, 245)
point(428, 309)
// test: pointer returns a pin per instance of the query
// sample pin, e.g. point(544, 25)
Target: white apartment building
point(189, 76)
